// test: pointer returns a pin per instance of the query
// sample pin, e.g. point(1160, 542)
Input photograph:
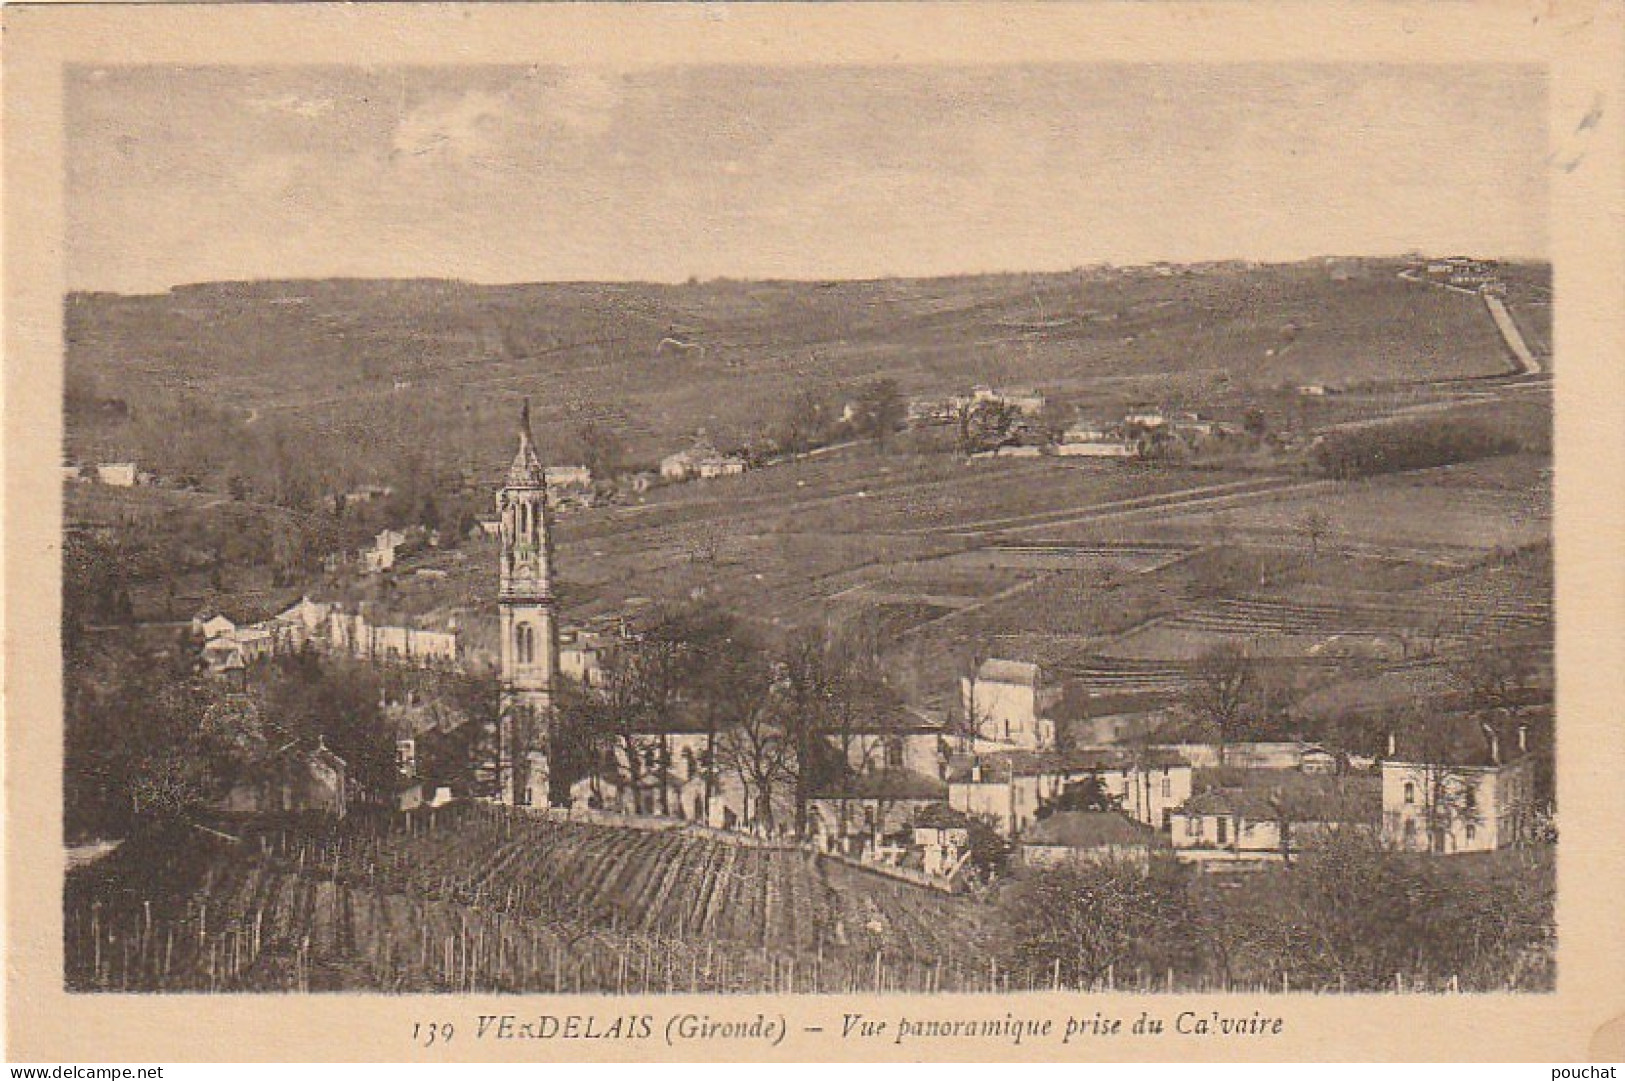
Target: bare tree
point(758, 747)
point(1492, 678)
point(968, 722)
point(1446, 791)
point(1222, 689)
point(619, 718)
point(1314, 526)
point(817, 700)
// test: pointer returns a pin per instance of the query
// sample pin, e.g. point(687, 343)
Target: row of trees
point(1398, 447)
point(1234, 695)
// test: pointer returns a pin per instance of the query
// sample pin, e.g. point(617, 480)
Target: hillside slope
point(441, 364)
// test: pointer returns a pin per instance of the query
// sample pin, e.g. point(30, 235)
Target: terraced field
point(480, 899)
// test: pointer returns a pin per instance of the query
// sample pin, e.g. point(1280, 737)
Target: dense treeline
point(1395, 448)
point(1349, 915)
point(148, 739)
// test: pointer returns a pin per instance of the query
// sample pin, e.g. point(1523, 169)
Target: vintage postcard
point(814, 532)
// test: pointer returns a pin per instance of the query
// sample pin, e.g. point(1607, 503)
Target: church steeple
point(526, 470)
point(529, 650)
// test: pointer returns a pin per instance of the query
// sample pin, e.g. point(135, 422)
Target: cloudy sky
point(533, 174)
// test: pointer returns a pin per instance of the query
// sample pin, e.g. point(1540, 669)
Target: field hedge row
point(1395, 448)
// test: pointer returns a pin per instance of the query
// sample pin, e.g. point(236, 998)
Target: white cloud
point(461, 128)
point(310, 108)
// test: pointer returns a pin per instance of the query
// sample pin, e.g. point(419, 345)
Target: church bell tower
point(529, 627)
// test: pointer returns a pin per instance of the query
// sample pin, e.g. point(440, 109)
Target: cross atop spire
point(526, 470)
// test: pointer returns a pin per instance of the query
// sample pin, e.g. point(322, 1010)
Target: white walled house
point(117, 474)
point(720, 465)
point(582, 661)
point(1243, 823)
point(724, 803)
point(1007, 703)
point(901, 739)
point(943, 837)
point(677, 466)
point(213, 625)
point(1006, 789)
point(567, 476)
point(860, 815)
point(1469, 794)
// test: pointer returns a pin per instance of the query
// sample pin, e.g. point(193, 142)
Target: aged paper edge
point(1581, 44)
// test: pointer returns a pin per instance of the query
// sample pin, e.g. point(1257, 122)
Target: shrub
point(1086, 918)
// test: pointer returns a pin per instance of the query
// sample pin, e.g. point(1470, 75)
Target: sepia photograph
point(932, 529)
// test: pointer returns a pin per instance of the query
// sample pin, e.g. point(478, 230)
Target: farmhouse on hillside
point(117, 474)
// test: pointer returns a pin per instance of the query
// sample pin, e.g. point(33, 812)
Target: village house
point(1024, 400)
point(210, 625)
point(1461, 789)
point(1144, 419)
point(720, 465)
point(932, 410)
point(381, 556)
point(1288, 755)
point(231, 642)
point(1006, 705)
point(678, 466)
point(1006, 789)
point(676, 777)
point(702, 460)
point(582, 655)
point(1194, 425)
point(903, 739)
point(1088, 837)
point(1263, 816)
point(221, 656)
point(567, 476)
point(297, 780)
point(117, 474)
point(1089, 439)
point(873, 815)
point(367, 493)
point(943, 838)
point(1088, 719)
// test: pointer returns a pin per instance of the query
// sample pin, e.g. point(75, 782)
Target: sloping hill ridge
point(663, 360)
